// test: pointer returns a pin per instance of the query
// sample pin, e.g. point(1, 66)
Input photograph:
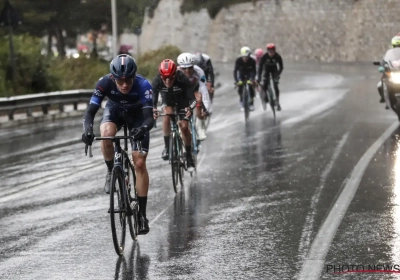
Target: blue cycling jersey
point(139, 97)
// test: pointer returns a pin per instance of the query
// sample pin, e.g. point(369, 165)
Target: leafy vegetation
point(64, 19)
point(148, 62)
point(37, 73)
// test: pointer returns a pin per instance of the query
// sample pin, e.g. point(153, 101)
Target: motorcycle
point(390, 69)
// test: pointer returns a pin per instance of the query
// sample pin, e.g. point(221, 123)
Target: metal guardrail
point(44, 101)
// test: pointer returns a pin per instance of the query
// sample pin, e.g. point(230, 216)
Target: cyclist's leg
point(110, 124)
point(240, 91)
point(142, 176)
point(167, 105)
point(275, 79)
point(210, 87)
point(198, 105)
point(265, 86)
point(252, 95)
point(186, 135)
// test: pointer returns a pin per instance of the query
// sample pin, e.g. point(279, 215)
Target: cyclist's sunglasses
point(187, 68)
point(123, 81)
point(171, 77)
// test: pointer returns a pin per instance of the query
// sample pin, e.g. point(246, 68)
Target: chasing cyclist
point(245, 68)
point(271, 62)
point(176, 90)
point(204, 62)
point(129, 101)
point(197, 78)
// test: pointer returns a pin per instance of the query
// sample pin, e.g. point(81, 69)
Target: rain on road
point(266, 202)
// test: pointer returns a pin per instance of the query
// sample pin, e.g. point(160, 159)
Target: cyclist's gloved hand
point(155, 113)
point(88, 137)
point(138, 133)
point(239, 83)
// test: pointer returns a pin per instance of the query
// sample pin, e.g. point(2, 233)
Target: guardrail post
point(61, 107)
point(75, 106)
point(11, 115)
point(45, 109)
point(29, 112)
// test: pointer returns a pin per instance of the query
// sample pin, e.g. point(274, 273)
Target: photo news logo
point(362, 268)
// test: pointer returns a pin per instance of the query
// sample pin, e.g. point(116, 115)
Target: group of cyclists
point(186, 85)
point(255, 69)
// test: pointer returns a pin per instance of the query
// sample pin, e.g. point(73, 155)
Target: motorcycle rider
point(395, 44)
point(271, 62)
point(245, 68)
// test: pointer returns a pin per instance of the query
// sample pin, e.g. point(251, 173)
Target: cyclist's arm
point(156, 89)
point(210, 72)
point(253, 70)
point(236, 70)
point(203, 90)
point(146, 99)
point(280, 64)
point(261, 67)
point(94, 103)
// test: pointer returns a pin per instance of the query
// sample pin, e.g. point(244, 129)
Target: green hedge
point(32, 73)
point(148, 62)
point(78, 73)
point(37, 73)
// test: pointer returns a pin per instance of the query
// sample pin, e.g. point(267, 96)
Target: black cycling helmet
point(123, 66)
point(198, 59)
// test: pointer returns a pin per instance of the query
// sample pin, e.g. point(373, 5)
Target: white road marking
point(314, 263)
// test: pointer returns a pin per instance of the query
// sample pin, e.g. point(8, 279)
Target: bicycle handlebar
point(114, 138)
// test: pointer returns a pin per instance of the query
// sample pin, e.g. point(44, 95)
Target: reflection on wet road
point(259, 203)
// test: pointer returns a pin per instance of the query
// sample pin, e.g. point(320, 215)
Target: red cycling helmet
point(270, 47)
point(167, 68)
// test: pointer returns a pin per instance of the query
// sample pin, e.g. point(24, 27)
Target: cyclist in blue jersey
point(129, 101)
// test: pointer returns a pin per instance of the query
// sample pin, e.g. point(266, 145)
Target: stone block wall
point(303, 30)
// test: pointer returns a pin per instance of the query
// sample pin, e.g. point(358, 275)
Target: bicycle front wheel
point(118, 210)
point(181, 164)
point(130, 183)
point(174, 160)
point(246, 102)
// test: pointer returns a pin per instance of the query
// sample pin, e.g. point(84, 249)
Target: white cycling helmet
point(245, 51)
point(185, 60)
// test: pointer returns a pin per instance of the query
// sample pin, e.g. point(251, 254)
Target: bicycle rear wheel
point(195, 144)
point(118, 210)
point(174, 161)
point(262, 98)
point(272, 100)
point(130, 183)
point(246, 102)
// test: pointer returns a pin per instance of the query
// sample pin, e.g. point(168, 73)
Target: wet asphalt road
point(260, 197)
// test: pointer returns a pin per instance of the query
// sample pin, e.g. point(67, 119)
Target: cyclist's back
point(204, 62)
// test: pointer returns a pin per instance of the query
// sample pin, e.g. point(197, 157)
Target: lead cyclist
point(198, 79)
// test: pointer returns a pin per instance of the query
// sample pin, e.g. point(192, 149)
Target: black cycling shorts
point(174, 100)
point(133, 119)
